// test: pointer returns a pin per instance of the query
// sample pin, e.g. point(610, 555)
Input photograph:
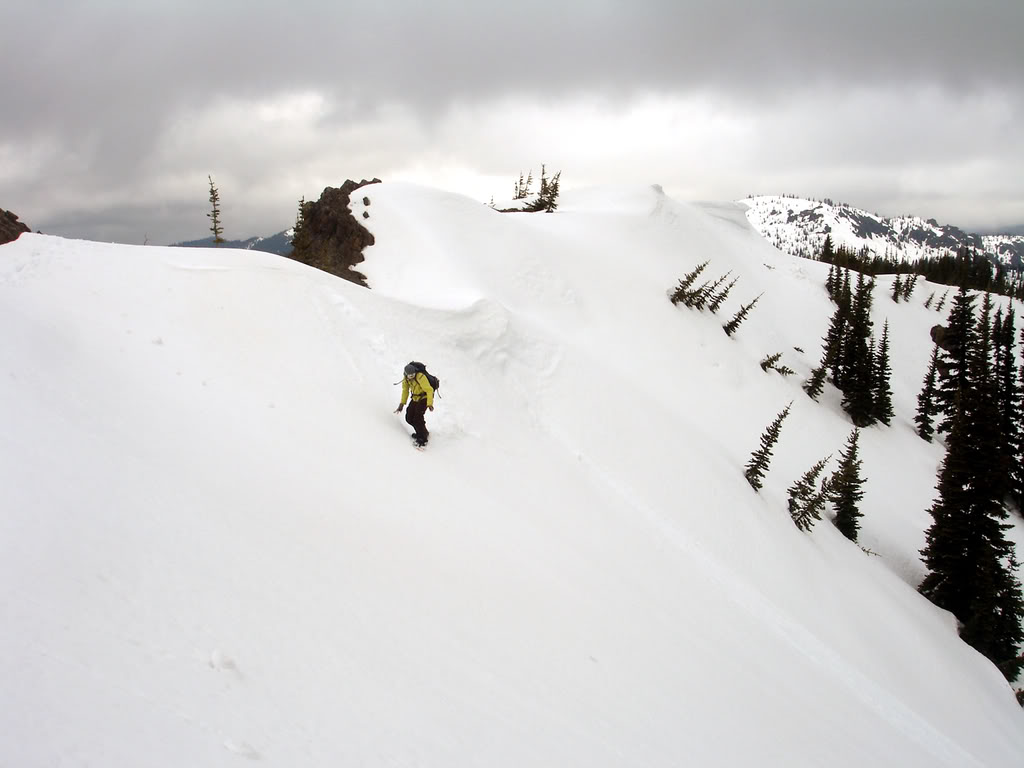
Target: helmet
point(410, 369)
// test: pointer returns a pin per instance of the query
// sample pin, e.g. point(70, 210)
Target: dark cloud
point(96, 92)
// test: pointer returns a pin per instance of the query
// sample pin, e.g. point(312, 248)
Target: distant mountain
point(799, 226)
point(281, 243)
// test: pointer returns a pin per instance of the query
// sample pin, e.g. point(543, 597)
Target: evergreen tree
point(716, 301)
point(928, 301)
point(770, 361)
point(827, 254)
point(522, 189)
point(908, 287)
point(816, 383)
point(858, 378)
point(695, 298)
point(214, 214)
point(759, 460)
point(985, 408)
point(702, 295)
point(682, 291)
point(881, 402)
point(706, 294)
point(547, 197)
point(926, 399)
point(846, 489)
point(805, 500)
point(551, 198)
point(732, 325)
point(897, 288)
point(830, 282)
point(953, 362)
point(837, 334)
point(300, 237)
point(970, 562)
point(942, 302)
point(1011, 404)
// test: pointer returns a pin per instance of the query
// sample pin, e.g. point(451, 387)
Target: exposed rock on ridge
point(10, 227)
point(327, 235)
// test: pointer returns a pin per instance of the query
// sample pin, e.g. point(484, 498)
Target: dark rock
point(366, 215)
point(10, 227)
point(329, 237)
point(366, 201)
point(938, 334)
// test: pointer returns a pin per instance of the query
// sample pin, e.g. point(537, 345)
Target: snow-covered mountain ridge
point(799, 226)
point(217, 545)
point(279, 243)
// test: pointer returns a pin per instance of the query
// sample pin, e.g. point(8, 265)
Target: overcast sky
point(114, 112)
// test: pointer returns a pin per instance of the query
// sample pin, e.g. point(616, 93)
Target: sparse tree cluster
point(843, 489)
point(546, 199)
point(770, 363)
point(972, 385)
point(711, 294)
point(859, 368)
point(903, 289)
point(806, 497)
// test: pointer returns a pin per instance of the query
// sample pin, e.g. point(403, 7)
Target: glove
point(430, 407)
point(399, 408)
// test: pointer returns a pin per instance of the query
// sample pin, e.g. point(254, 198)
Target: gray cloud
point(127, 106)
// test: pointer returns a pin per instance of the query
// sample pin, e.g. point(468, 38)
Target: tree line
point(972, 395)
point(965, 267)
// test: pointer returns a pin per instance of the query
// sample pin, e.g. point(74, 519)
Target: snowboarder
point(416, 382)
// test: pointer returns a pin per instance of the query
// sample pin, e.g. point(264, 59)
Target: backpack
point(435, 383)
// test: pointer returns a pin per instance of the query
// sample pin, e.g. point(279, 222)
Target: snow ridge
point(217, 545)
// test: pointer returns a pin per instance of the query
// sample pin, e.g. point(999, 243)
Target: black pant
point(414, 416)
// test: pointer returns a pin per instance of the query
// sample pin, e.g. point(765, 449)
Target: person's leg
point(414, 416)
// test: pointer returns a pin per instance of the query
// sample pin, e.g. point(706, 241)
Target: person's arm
point(405, 394)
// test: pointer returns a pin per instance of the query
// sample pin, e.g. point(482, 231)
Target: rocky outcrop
point(10, 227)
point(327, 235)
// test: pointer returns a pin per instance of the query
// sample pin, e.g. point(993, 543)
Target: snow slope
point(218, 544)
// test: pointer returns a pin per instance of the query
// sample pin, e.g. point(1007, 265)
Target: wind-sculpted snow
point(218, 546)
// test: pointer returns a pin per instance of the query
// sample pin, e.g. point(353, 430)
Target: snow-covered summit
point(218, 544)
point(799, 226)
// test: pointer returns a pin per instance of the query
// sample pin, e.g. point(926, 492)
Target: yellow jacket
point(420, 388)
